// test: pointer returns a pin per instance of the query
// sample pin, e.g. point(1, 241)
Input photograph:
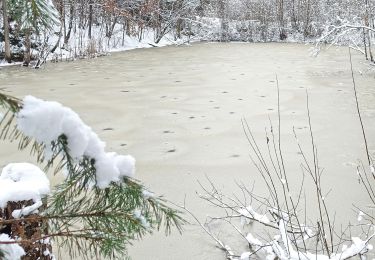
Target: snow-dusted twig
point(230, 255)
point(292, 238)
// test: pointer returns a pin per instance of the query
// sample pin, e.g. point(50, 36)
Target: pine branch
point(9, 130)
point(112, 210)
point(108, 219)
point(12, 103)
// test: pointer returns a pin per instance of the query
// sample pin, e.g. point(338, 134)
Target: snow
point(283, 248)
point(138, 215)
point(308, 233)
point(4, 63)
point(358, 246)
point(27, 210)
point(22, 181)
point(284, 236)
point(81, 46)
point(48, 253)
point(11, 251)
point(360, 216)
point(252, 240)
point(259, 246)
point(249, 212)
point(46, 121)
point(147, 194)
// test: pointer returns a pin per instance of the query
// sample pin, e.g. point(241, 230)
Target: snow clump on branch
point(11, 251)
point(23, 181)
point(46, 121)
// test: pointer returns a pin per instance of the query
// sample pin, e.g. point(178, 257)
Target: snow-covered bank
point(202, 29)
point(80, 45)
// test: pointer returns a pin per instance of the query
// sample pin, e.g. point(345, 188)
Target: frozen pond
point(178, 111)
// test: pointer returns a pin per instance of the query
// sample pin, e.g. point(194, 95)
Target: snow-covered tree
point(97, 210)
point(6, 31)
point(33, 17)
point(350, 23)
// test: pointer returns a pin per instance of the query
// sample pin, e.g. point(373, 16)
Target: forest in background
point(33, 29)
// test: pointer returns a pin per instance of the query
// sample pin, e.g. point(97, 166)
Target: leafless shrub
point(277, 226)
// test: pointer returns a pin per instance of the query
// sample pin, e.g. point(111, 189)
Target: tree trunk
point(307, 21)
point(27, 55)
point(82, 20)
point(364, 43)
point(224, 21)
point(62, 19)
point(90, 18)
point(67, 36)
point(29, 231)
point(179, 28)
point(110, 26)
point(294, 17)
point(367, 18)
point(369, 47)
point(282, 32)
point(6, 32)
point(57, 43)
point(128, 29)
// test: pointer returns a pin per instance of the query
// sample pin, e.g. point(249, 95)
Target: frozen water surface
point(179, 111)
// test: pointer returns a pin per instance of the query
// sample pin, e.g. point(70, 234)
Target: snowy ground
point(81, 46)
point(178, 111)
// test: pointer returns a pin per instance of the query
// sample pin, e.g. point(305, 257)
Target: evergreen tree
point(6, 32)
point(84, 217)
point(33, 16)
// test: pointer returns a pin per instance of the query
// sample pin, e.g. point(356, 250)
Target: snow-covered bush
point(98, 209)
point(276, 225)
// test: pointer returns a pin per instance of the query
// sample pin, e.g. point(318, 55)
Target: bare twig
point(358, 110)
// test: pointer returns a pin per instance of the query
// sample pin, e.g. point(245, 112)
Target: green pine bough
point(84, 219)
